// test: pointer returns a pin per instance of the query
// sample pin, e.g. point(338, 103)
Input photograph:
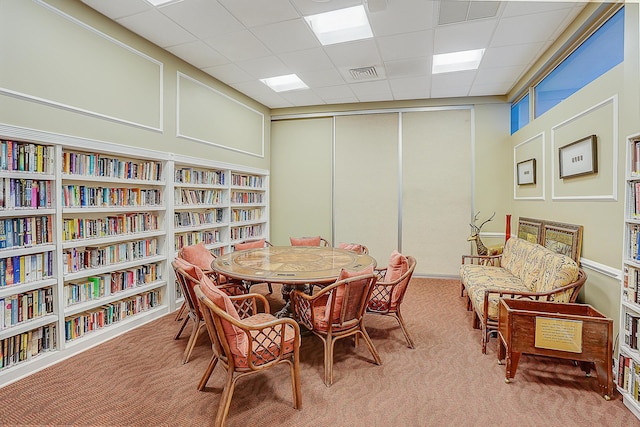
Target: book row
point(198, 176)
point(633, 199)
point(78, 259)
point(16, 309)
point(634, 241)
point(90, 321)
point(629, 376)
point(631, 330)
point(25, 231)
point(23, 347)
point(22, 269)
point(246, 180)
point(19, 193)
point(246, 232)
point(238, 215)
point(100, 286)
point(631, 284)
point(112, 225)
point(90, 164)
point(207, 237)
point(26, 157)
point(85, 196)
point(193, 218)
point(246, 197)
point(185, 196)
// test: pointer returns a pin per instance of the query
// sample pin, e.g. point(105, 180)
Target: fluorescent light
point(285, 83)
point(161, 2)
point(457, 61)
point(340, 25)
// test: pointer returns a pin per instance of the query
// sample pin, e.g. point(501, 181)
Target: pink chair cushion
point(236, 338)
point(198, 255)
point(305, 241)
point(354, 247)
point(339, 292)
point(249, 245)
point(398, 265)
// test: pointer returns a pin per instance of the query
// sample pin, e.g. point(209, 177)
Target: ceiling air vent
point(363, 73)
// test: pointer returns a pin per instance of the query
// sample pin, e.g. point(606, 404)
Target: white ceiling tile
point(198, 54)
point(306, 60)
point(203, 18)
point(505, 75)
point(408, 67)
point(115, 9)
point(147, 23)
point(229, 73)
point(519, 8)
point(260, 92)
point(378, 89)
point(447, 85)
point(238, 46)
point(402, 17)
point(322, 78)
point(286, 36)
point(411, 87)
point(335, 92)
point(510, 55)
point(253, 13)
point(360, 53)
point(467, 36)
point(402, 46)
point(307, 7)
point(489, 89)
point(526, 29)
point(302, 97)
point(262, 68)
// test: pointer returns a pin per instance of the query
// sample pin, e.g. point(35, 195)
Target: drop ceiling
point(240, 42)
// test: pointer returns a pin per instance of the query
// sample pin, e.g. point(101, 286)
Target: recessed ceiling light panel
point(285, 83)
point(457, 61)
point(342, 25)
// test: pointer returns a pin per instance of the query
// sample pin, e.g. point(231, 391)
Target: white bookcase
point(97, 226)
point(628, 375)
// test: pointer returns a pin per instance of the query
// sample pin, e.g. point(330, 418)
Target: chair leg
point(225, 399)
point(270, 288)
point(403, 327)
point(328, 361)
point(184, 323)
point(197, 325)
point(180, 312)
point(369, 343)
point(207, 373)
point(295, 382)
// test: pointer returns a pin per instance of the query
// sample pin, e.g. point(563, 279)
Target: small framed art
point(579, 157)
point(526, 172)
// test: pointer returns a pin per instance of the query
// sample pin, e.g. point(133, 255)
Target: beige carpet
point(138, 380)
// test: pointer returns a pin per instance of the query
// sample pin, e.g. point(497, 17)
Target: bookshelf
point(628, 375)
point(88, 230)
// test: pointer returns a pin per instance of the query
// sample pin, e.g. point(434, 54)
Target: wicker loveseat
point(523, 270)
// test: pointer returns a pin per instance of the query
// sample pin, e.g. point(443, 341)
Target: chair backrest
point(354, 247)
point(348, 300)
point(251, 244)
point(197, 255)
point(186, 277)
point(309, 241)
point(387, 296)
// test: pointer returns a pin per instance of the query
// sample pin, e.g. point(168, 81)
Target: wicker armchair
point(354, 247)
point(336, 312)
point(309, 241)
point(245, 341)
point(386, 297)
point(253, 244)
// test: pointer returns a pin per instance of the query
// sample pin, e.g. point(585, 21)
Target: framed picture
point(526, 172)
point(564, 238)
point(579, 157)
point(530, 229)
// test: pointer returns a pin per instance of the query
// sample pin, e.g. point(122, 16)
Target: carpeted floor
point(137, 379)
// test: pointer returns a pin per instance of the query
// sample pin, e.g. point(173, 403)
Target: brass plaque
point(559, 334)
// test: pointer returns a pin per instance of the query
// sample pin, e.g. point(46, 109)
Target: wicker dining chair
point(337, 312)
point(253, 244)
point(390, 288)
point(309, 241)
point(354, 247)
point(246, 345)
